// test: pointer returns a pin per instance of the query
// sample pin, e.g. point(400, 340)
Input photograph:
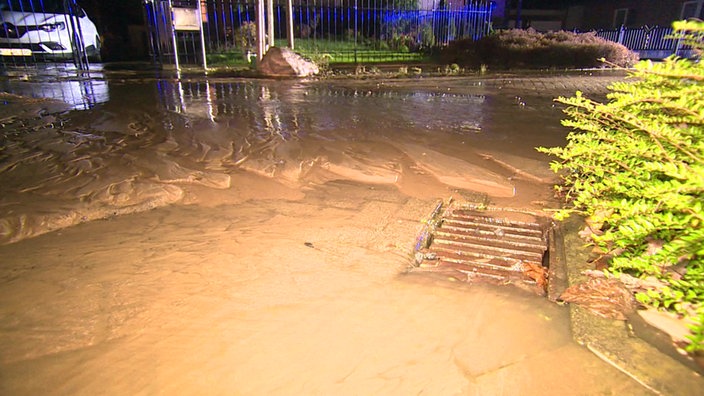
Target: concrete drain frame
point(471, 242)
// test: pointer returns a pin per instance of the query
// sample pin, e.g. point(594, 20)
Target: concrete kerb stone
point(613, 340)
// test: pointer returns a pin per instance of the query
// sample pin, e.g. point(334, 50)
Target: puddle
point(153, 144)
point(251, 237)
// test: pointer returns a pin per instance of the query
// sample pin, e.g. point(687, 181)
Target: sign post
point(188, 19)
point(173, 35)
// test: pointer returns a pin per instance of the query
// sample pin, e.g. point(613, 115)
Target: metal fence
point(649, 42)
point(35, 31)
point(334, 30)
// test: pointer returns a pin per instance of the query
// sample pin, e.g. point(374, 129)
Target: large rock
point(282, 62)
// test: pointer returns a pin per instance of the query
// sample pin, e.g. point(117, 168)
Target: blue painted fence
point(349, 30)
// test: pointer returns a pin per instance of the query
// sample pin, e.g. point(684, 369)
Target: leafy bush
point(406, 35)
point(246, 36)
point(635, 167)
point(514, 48)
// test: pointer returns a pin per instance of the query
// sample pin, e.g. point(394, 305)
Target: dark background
point(120, 23)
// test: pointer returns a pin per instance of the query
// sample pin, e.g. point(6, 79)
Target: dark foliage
point(516, 48)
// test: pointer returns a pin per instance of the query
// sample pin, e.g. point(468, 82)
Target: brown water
point(251, 237)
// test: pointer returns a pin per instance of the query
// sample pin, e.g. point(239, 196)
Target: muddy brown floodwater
point(251, 237)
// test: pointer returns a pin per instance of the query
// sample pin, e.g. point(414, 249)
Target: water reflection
point(153, 139)
point(290, 108)
point(79, 93)
point(311, 132)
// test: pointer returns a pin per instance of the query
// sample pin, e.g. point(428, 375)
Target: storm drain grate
point(472, 243)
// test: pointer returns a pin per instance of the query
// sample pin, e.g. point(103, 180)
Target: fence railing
point(35, 31)
point(340, 30)
point(649, 42)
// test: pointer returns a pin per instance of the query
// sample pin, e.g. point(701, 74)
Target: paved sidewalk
point(595, 82)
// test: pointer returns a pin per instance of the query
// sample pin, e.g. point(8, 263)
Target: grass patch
point(325, 52)
point(234, 58)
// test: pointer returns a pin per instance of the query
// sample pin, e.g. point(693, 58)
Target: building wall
point(600, 14)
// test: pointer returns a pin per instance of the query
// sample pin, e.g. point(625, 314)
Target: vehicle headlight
point(50, 27)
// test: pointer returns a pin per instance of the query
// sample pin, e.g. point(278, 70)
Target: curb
point(614, 341)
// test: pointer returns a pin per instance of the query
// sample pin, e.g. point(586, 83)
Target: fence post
point(80, 59)
point(173, 36)
point(678, 44)
point(487, 18)
point(289, 11)
point(621, 34)
point(355, 31)
point(270, 22)
point(260, 30)
point(151, 23)
point(648, 31)
point(202, 35)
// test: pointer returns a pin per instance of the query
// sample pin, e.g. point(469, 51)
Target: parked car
point(45, 29)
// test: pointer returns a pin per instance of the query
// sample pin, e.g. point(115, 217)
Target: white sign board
point(186, 18)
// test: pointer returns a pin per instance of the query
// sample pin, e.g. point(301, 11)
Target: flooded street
point(252, 237)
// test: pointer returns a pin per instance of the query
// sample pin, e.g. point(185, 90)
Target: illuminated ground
point(272, 261)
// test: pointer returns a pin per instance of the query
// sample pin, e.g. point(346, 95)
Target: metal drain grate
point(471, 243)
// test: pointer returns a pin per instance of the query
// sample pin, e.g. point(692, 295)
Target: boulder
point(283, 62)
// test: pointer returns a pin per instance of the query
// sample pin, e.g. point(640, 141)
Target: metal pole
point(173, 36)
point(202, 36)
point(270, 21)
point(149, 10)
point(260, 30)
point(355, 31)
point(79, 51)
point(488, 19)
point(163, 30)
point(678, 44)
point(289, 12)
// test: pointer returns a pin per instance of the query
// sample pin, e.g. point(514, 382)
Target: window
point(692, 9)
point(620, 17)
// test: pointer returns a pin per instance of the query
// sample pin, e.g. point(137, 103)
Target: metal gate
point(36, 32)
point(650, 42)
point(175, 31)
point(338, 31)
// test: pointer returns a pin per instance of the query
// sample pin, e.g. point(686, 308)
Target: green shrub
point(427, 35)
point(635, 167)
point(246, 36)
point(517, 48)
